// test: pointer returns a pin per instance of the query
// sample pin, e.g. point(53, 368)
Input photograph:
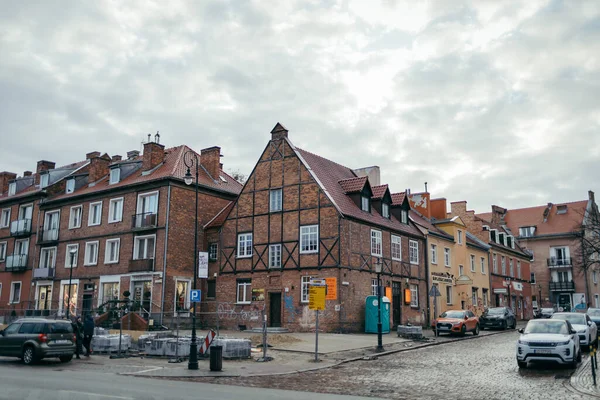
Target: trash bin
point(216, 358)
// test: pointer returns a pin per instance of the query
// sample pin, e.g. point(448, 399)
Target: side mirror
point(521, 330)
point(589, 323)
point(572, 331)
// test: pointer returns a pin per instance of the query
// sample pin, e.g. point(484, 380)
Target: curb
point(573, 383)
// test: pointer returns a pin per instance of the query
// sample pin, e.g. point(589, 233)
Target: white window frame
point(242, 245)
point(511, 267)
point(275, 255)
point(12, 292)
point(275, 200)
point(307, 235)
point(48, 250)
point(304, 286)
point(18, 244)
point(503, 264)
point(376, 243)
point(472, 261)
point(495, 264)
point(210, 251)
point(519, 269)
point(374, 287)
point(107, 259)
point(447, 257)
point(136, 244)
point(414, 296)
point(105, 279)
point(364, 203)
point(385, 210)
point(413, 252)
point(118, 203)
point(86, 258)
point(64, 290)
point(44, 180)
point(434, 253)
point(91, 214)
point(186, 302)
point(461, 270)
point(449, 295)
point(3, 251)
point(482, 265)
point(404, 216)
point(70, 186)
point(459, 236)
point(68, 255)
point(246, 284)
point(140, 203)
point(474, 296)
point(396, 248)
point(12, 188)
point(115, 176)
point(5, 219)
point(71, 217)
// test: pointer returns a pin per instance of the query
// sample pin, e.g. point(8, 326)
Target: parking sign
point(195, 296)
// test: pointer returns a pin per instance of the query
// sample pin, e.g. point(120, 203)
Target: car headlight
point(581, 331)
point(566, 342)
point(523, 342)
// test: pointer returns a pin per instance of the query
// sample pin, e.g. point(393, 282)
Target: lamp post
point(190, 159)
point(378, 266)
point(72, 253)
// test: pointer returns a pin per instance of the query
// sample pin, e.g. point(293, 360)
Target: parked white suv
point(582, 323)
point(548, 340)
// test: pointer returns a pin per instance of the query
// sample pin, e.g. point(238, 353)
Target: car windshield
point(453, 314)
point(547, 327)
point(547, 310)
point(498, 310)
point(59, 327)
point(575, 319)
point(594, 312)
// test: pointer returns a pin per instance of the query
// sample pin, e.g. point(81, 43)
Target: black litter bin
point(216, 358)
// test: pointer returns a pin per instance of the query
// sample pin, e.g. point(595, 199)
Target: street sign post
point(203, 264)
point(316, 301)
point(435, 293)
point(195, 296)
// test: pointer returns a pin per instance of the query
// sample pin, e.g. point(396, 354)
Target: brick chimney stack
point(117, 158)
point(42, 166)
point(498, 214)
point(279, 132)
point(438, 208)
point(98, 167)
point(210, 159)
point(154, 154)
point(421, 203)
point(27, 173)
point(5, 178)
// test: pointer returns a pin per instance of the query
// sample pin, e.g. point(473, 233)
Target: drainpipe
point(164, 277)
point(427, 281)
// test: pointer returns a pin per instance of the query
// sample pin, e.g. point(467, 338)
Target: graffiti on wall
point(233, 312)
point(290, 310)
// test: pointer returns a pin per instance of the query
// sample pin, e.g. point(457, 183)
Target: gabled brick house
point(301, 216)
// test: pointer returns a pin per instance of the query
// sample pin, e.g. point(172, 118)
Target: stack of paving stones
point(410, 332)
point(110, 343)
point(234, 348)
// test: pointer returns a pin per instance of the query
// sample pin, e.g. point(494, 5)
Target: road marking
point(97, 395)
point(143, 371)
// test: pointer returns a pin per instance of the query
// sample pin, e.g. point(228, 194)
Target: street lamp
point(378, 266)
point(72, 253)
point(190, 159)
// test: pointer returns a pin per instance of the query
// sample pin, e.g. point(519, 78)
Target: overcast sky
point(491, 102)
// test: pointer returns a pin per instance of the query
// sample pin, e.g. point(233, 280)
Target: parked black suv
point(32, 339)
point(498, 317)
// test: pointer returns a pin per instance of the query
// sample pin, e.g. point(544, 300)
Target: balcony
point(562, 286)
point(16, 263)
point(143, 265)
point(48, 236)
point(20, 228)
point(43, 273)
point(144, 221)
point(564, 262)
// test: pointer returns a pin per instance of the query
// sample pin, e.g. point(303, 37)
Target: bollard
point(592, 357)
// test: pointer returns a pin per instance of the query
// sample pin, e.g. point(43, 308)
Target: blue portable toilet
point(371, 314)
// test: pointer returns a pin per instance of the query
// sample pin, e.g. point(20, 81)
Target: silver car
point(548, 340)
point(586, 329)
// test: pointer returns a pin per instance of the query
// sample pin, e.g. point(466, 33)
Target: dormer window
point(115, 175)
point(385, 210)
point(44, 180)
point(365, 206)
point(404, 215)
point(509, 241)
point(562, 209)
point(493, 235)
point(501, 238)
point(70, 186)
point(12, 188)
point(527, 231)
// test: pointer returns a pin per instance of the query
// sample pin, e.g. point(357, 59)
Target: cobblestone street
point(484, 368)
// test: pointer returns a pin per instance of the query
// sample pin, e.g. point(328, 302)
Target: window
point(5, 219)
point(459, 235)
point(474, 297)
point(15, 292)
point(595, 276)
point(559, 256)
point(48, 257)
point(91, 253)
point(483, 265)
point(21, 247)
point(495, 263)
point(510, 267)
point(309, 239)
point(95, 217)
point(115, 210)
point(511, 241)
point(527, 231)
point(373, 287)
point(532, 277)
point(275, 256)
point(562, 209)
point(244, 245)
point(29, 328)
point(413, 250)
point(213, 249)
point(404, 216)
point(211, 291)
point(472, 263)
point(461, 270)
point(446, 257)
point(115, 175)
point(433, 254)
point(64, 295)
point(182, 296)
point(70, 186)
point(414, 296)
point(518, 269)
point(396, 248)
point(364, 203)
point(75, 217)
point(111, 253)
point(503, 266)
point(304, 286)
point(243, 291)
point(68, 255)
point(44, 179)
point(385, 210)
point(143, 247)
point(375, 243)
point(275, 200)
point(449, 295)
point(110, 291)
point(2, 251)
point(484, 296)
point(12, 188)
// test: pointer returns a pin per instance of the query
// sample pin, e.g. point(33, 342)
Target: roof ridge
point(328, 160)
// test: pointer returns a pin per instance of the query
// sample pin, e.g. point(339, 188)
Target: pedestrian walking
point(78, 332)
point(88, 333)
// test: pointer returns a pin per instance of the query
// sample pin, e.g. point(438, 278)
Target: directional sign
point(316, 297)
point(195, 296)
point(434, 292)
point(331, 289)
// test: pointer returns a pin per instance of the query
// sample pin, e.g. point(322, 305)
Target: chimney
point(27, 173)
point(439, 208)
point(154, 154)
point(5, 178)
point(420, 202)
point(91, 155)
point(591, 196)
point(98, 167)
point(372, 173)
point(210, 159)
point(132, 154)
point(42, 166)
point(117, 158)
point(279, 132)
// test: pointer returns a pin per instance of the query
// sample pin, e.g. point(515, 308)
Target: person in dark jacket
point(78, 332)
point(88, 332)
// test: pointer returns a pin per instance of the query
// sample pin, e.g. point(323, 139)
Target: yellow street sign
point(316, 297)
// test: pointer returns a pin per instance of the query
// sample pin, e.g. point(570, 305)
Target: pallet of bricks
point(104, 342)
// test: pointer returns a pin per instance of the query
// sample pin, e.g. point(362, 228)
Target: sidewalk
point(582, 381)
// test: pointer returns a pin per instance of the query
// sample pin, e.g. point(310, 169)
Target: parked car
point(553, 340)
point(498, 317)
point(586, 329)
point(547, 312)
point(594, 314)
point(457, 322)
point(537, 313)
point(32, 339)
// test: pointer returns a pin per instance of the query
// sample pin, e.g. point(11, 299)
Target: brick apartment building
point(549, 232)
point(301, 216)
point(122, 225)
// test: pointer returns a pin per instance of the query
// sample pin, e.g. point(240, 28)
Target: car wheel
point(482, 328)
point(476, 330)
point(579, 356)
point(505, 325)
point(65, 359)
point(29, 355)
point(522, 364)
point(575, 359)
point(463, 330)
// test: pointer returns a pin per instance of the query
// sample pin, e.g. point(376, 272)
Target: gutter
point(165, 254)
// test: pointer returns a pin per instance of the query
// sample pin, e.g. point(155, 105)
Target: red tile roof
point(379, 191)
point(329, 174)
point(425, 223)
point(353, 185)
point(220, 218)
point(398, 198)
point(501, 229)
